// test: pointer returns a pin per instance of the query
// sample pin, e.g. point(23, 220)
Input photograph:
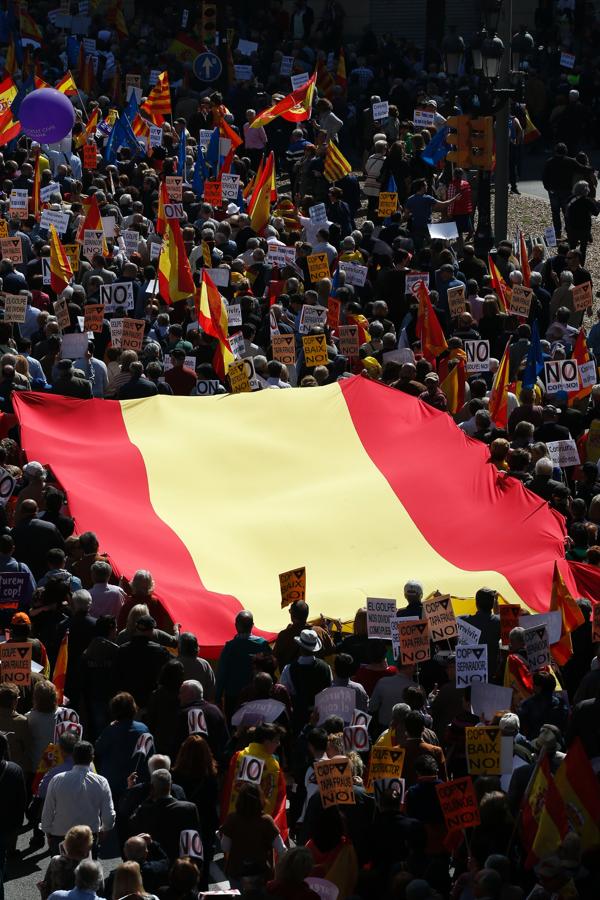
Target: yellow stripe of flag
point(336, 164)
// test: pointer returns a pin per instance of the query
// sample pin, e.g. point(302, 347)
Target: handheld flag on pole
point(336, 164)
point(59, 675)
point(497, 284)
point(200, 174)
point(67, 85)
point(175, 280)
point(535, 358)
point(428, 328)
point(212, 318)
point(296, 107)
point(437, 148)
point(498, 403)
point(571, 617)
point(158, 102)
point(61, 272)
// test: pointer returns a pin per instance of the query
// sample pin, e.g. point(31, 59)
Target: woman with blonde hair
point(134, 614)
point(42, 719)
point(60, 874)
point(127, 880)
point(141, 590)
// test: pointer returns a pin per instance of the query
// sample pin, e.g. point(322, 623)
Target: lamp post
point(504, 27)
point(453, 48)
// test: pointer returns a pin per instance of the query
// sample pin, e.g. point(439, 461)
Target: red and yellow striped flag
point(571, 617)
point(362, 423)
point(89, 131)
point(259, 206)
point(92, 221)
point(59, 675)
point(175, 280)
point(60, 265)
point(163, 199)
point(453, 387)
point(428, 329)
point(498, 285)
point(39, 82)
point(336, 164)
point(158, 102)
point(9, 127)
point(212, 318)
point(67, 85)
point(579, 789)
point(498, 403)
point(581, 353)
point(296, 107)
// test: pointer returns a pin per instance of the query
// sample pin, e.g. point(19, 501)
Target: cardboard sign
point(243, 73)
point(355, 273)
point(144, 744)
point(588, 374)
point(3, 228)
point(478, 356)
point(384, 785)
point(349, 340)
point(12, 249)
point(15, 664)
point(561, 375)
point(381, 110)
point(196, 722)
point(234, 315)
point(483, 750)
point(60, 220)
point(424, 118)
point(379, 613)
point(315, 350)
point(550, 236)
point(190, 844)
point(131, 239)
point(15, 306)
point(458, 801)
point(47, 191)
point(213, 193)
point(564, 453)
point(298, 80)
point(356, 737)
point(74, 346)
point(456, 300)
point(117, 296)
point(207, 388)
point(334, 308)
point(236, 342)
point(220, 276)
point(412, 280)
point(567, 60)
point(509, 618)
point(230, 186)
point(66, 714)
point(318, 214)
point(414, 642)
point(596, 622)
point(174, 184)
point(318, 267)
point(72, 251)
point(238, 378)
point(292, 585)
point(388, 204)
point(287, 64)
point(132, 334)
point(156, 136)
point(19, 203)
point(281, 256)
point(471, 664)
point(385, 762)
point(61, 311)
point(440, 616)
point(537, 647)
point(582, 296)
point(90, 156)
point(311, 316)
point(467, 633)
point(256, 711)
point(336, 701)
point(334, 778)
point(93, 241)
point(7, 486)
point(520, 299)
point(488, 699)
point(361, 718)
point(93, 319)
point(72, 727)
point(284, 348)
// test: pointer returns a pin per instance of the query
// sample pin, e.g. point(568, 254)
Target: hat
point(20, 618)
point(371, 365)
point(509, 724)
point(34, 470)
point(431, 376)
point(413, 589)
point(144, 623)
point(309, 640)
point(232, 209)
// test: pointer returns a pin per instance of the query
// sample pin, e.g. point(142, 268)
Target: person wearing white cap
point(34, 486)
point(413, 594)
point(306, 676)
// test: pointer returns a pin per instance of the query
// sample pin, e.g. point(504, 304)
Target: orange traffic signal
point(482, 142)
point(459, 138)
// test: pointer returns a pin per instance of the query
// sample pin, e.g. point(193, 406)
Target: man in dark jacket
point(163, 817)
point(139, 662)
point(558, 176)
point(70, 385)
point(139, 386)
point(34, 538)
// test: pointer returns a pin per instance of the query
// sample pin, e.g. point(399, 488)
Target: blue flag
point(335, 283)
point(437, 148)
point(535, 359)
point(391, 185)
point(181, 153)
point(200, 174)
point(212, 152)
point(72, 50)
point(121, 136)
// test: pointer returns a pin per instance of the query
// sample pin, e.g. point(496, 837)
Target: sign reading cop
point(334, 778)
point(459, 803)
point(484, 750)
point(292, 585)
point(414, 642)
point(440, 615)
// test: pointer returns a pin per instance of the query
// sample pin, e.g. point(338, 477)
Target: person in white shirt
point(470, 426)
point(107, 599)
point(95, 371)
point(78, 797)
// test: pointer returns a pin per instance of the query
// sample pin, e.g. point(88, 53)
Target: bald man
point(34, 537)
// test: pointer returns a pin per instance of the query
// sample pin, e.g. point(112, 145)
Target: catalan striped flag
point(67, 85)
point(59, 674)
point(158, 102)
point(61, 272)
point(212, 319)
point(336, 164)
point(175, 280)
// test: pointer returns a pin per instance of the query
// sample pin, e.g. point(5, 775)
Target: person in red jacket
point(462, 209)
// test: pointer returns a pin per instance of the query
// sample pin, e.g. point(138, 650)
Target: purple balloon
point(46, 115)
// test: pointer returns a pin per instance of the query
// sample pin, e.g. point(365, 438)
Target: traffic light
point(208, 22)
point(459, 138)
point(482, 142)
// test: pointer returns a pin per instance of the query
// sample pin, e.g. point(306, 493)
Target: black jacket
point(33, 539)
point(138, 665)
point(165, 819)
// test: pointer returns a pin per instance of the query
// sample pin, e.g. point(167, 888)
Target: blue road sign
point(207, 67)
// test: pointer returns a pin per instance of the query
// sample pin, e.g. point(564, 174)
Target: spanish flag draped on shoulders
point(272, 784)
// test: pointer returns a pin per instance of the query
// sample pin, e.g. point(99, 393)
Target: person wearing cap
point(9, 564)
point(306, 676)
point(488, 623)
point(433, 395)
point(139, 662)
point(34, 486)
point(413, 594)
point(234, 670)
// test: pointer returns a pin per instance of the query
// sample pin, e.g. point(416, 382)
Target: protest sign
point(361, 718)
point(131, 239)
point(213, 193)
point(596, 622)
point(144, 744)
point(335, 701)
point(156, 136)
point(208, 388)
point(93, 317)
point(520, 299)
point(117, 296)
point(93, 241)
point(388, 204)
point(243, 73)
point(74, 346)
point(356, 274)
point(196, 722)
point(132, 334)
point(478, 356)
point(509, 618)
point(381, 786)
point(447, 231)
point(281, 256)
point(381, 110)
point(60, 220)
point(356, 737)
point(582, 296)
point(12, 249)
point(230, 186)
point(19, 203)
point(385, 762)
point(72, 727)
point(66, 714)
point(7, 486)
point(588, 373)
point(488, 699)
point(414, 641)
point(318, 267)
point(236, 342)
point(412, 280)
point(238, 378)
point(334, 778)
point(567, 60)
point(537, 647)
point(456, 300)
point(552, 620)
point(315, 350)
point(72, 251)
point(471, 664)
point(15, 664)
point(3, 228)
point(424, 118)
point(440, 617)
point(561, 375)
point(458, 801)
point(256, 711)
point(287, 64)
point(61, 311)
point(247, 48)
point(284, 348)
point(292, 585)
point(15, 306)
point(189, 362)
point(234, 315)
point(220, 276)
point(46, 192)
point(349, 340)
point(298, 80)
point(467, 633)
point(90, 156)
point(174, 185)
point(550, 236)
point(483, 750)
point(311, 316)
point(318, 214)
point(379, 613)
point(334, 307)
point(190, 844)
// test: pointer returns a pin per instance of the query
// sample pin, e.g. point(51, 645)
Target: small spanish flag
point(60, 265)
point(67, 85)
point(59, 675)
point(175, 280)
point(429, 331)
point(498, 403)
point(9, 127)
point(212, 318)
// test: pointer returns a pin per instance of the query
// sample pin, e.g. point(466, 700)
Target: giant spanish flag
point(167, 482)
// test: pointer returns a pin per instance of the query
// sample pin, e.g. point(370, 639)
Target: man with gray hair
point(198, 716)
point(88, 878)
point(107, 599)
point(542, 483)
point(163, 817)
point(82, 630)
point(137, 792)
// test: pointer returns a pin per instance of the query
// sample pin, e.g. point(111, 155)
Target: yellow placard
point(72, 251)
point(385, 762)
point(334, 778)
point(293, 586)
point(483, 750)
point(318, 267)
point(238, 378)
point(315, 349)
point(388, 204)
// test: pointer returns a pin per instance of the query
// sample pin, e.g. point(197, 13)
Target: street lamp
point(521, 46)
point(453, 48)
point(492, 51)
point(476, 45)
